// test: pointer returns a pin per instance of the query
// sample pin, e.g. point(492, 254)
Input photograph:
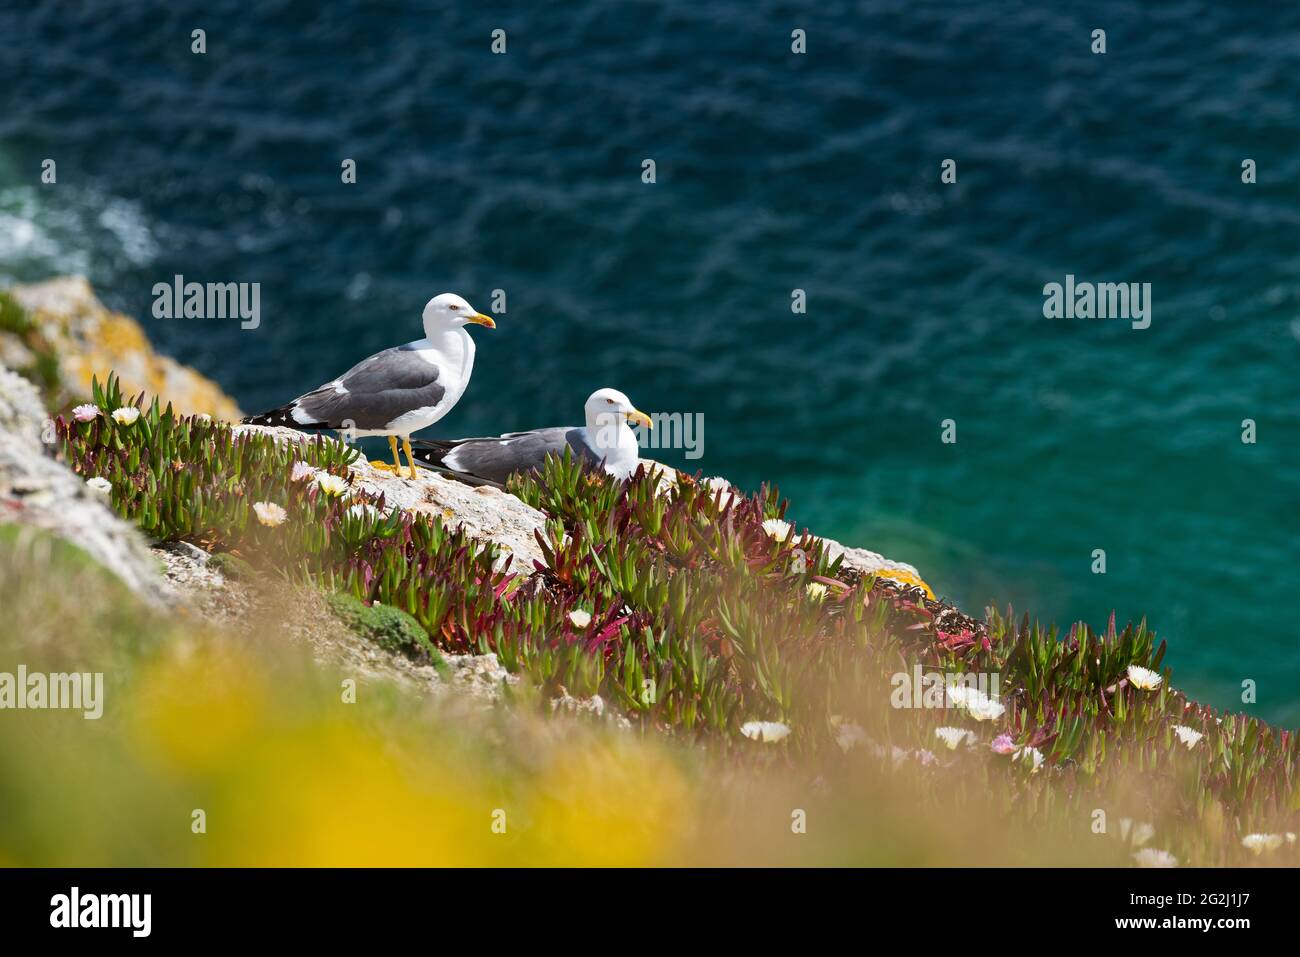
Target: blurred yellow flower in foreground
point(198, 705)
point(330, 795)
point(610, 803)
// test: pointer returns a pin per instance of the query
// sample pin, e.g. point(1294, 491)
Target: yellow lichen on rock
point(88, 340)
point(904, 577)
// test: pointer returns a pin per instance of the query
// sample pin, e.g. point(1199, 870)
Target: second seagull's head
point(450, 311)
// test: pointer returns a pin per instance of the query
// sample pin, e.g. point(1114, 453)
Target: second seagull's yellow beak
point(481, 320)
point(636, 417)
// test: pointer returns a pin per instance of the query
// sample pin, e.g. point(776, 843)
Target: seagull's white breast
point(453, 354)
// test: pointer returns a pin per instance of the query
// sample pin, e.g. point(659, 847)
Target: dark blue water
point(775, 172)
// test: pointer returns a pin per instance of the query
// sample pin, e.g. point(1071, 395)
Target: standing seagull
point(397, 391)
point(607, 440)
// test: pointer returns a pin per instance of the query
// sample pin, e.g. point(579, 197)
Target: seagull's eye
point(453, 306)
point(610, 401)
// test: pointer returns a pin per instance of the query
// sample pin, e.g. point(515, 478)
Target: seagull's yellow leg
point(396, 467)
point(406, 446)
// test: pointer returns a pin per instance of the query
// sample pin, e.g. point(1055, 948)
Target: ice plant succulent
point(1002, 744)
point(765, 730)
point(778, 529)
point(1188, 736)
point(954, 737)
point(126, 415)
point(85, 412)
point(1031, 757)
point(1151, 857)
point(331, 484)
point(1259, 843)
point(1144, 678)
point(270, 514)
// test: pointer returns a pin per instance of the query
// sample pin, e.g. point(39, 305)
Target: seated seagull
point(606, 441)
point(397, 391)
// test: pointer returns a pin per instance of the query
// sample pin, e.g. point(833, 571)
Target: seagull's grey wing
point(373, 393)
point(498, 458)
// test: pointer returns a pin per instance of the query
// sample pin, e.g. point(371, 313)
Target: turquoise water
point(774, 172)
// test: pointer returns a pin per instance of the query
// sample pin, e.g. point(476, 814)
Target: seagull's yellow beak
point(636, 417)
point(481, 320)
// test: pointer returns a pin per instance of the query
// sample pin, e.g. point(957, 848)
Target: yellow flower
point(816, 591)
point(611, 803)
point(270, 514)
point(126, 415)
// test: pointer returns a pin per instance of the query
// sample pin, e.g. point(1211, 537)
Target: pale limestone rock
point(485, 513)
point(91, 340)
point(38, 492)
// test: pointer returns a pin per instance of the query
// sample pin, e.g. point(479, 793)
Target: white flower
point(99, 485)
point(816, 591)
point(301, 472)
point(580, 618)
point(720, 488)
point(985, 709)
point(1259, 843)
point(1138, 834)
point(126, 415)
point(84, 413)
point(1150, 857)
point(765, 730)
point(363, 510)
point(1031, 756)
point(778, 529)
point(954, 737)
point(1189, 736)
point(331, 484)
point(977, 704)
point(1290, 837)
point(270, 514)
point(1144, 678)
point(203, 417)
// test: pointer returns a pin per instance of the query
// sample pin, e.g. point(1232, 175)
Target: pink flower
point(1003, 744)
point(84, 413)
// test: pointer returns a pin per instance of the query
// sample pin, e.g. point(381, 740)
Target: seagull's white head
point(610, 408)
point(450, 311)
